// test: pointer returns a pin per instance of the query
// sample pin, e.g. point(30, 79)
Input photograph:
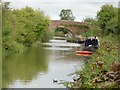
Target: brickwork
point(75, 27)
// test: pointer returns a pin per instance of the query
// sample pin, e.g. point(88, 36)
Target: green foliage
point(94, 27)
point(66, 14)
point(108, 19)
point(107, 53)
point(70, 40)
point(93, 22)
point(23, 28)
point(64, 30)
point(93, 32)
point(60, 34)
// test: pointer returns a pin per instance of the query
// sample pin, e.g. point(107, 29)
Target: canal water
point(38, 67)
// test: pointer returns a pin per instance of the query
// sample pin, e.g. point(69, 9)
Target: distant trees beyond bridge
point(76, 28)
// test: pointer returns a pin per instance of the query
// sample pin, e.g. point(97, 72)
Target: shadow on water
point(24, 66)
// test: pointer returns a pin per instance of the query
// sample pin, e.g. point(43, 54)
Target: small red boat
point(83, 53)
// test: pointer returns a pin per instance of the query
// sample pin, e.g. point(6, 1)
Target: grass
point(106, 54)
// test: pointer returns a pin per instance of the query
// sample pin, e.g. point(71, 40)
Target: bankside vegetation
point(103, 69)
point(23, 28)
point(106, 22)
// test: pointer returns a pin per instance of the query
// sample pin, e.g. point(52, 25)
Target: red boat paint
point(86, 55)
point(83, 53)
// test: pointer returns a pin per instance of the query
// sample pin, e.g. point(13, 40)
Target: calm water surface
point(37, 67)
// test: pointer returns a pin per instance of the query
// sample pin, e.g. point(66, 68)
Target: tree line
point(23, 28)
point(106, 20)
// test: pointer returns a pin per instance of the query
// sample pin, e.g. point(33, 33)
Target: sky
point(80, 8)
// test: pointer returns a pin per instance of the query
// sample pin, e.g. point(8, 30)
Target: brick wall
point(72, 25)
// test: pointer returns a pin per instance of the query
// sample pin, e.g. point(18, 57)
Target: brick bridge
point(76, 28)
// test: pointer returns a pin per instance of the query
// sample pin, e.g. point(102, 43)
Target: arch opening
point(64, 30)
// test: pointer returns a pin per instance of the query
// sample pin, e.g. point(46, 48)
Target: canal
point(37, 67)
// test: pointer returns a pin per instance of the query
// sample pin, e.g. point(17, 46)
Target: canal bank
point(103, 69)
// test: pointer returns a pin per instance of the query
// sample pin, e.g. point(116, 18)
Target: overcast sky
point(52, 8)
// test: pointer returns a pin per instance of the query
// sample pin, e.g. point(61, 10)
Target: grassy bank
point(100, 71)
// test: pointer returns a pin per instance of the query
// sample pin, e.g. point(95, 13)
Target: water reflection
point(37, 67)
point(24, 67)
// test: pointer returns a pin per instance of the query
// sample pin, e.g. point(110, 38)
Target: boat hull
point(83, 53)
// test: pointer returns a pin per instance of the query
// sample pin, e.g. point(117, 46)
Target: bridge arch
point(76, 28)
point(65, 30)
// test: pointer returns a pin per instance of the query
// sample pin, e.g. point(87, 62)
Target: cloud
point(80, 9)
point(61, 0)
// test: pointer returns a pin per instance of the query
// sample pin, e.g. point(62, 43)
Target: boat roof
point(92, 38)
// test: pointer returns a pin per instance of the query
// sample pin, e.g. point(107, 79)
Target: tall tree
point(66, 14)
point(92, 21)
point(22, 28)
point(107, 18)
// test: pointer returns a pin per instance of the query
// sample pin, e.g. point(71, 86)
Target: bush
point(60, 34)
point(70, 40)
point(23, 28)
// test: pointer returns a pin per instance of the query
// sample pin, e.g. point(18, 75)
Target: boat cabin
point(91, 44)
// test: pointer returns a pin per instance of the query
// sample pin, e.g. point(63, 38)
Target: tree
point(107, 18)
point(5, 6)
point(22, 28)
point(66, 14)
point(92, 21)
